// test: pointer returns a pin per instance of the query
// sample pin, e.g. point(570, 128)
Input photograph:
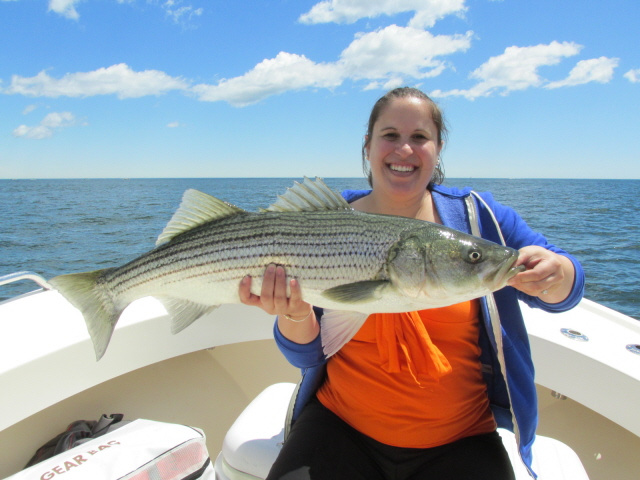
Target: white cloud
point(180, 13)
point(633, 75)
point(37, 133)
point(427, 12)
point(516, 69)
point(118, 80)
point(384, 57)
point(287, 71)
point(49, 124)
point(173, 125)
point(58, 120)
point(28, 109)
point(174, 9)
point(586, 71)
point(66, 8)
point(399, 52)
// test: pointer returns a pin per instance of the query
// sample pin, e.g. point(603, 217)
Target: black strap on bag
point(76, 433)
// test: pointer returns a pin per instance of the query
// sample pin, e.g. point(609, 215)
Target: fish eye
point(475, 256)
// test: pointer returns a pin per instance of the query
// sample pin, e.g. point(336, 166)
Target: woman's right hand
point(296, 319)
point(273, 295)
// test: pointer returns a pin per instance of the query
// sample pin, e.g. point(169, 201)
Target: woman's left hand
point(548, 275)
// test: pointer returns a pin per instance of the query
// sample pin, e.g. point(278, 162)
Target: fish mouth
point(508, 269)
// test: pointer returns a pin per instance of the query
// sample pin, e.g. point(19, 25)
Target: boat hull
point(207, 374)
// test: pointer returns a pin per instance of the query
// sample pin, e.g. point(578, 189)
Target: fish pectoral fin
point(357, 292)
point(184, 312)
point(338, 327)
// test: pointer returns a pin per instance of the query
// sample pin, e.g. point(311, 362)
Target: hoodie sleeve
point(301, 355)
point(518, 234)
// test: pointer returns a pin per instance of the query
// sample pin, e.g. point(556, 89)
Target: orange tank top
point(412, 380)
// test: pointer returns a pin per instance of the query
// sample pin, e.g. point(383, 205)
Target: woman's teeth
point(401, 168)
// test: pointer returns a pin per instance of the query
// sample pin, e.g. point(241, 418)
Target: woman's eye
point(390, 136)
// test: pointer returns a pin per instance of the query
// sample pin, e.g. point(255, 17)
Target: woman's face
point(403, 149)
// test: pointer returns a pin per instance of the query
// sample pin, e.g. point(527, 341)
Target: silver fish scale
point(322, 249)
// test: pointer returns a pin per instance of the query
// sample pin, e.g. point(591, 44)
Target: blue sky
point(283, 88)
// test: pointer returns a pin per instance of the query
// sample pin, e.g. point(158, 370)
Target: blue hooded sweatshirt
point(510, 386)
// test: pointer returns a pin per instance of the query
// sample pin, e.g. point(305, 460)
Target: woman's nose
point(404, 149)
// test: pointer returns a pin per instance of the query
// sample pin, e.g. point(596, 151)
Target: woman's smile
point(402, 168)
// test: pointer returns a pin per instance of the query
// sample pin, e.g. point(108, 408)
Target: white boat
point(587, 372)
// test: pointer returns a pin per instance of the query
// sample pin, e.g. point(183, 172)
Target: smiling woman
point(409, 392)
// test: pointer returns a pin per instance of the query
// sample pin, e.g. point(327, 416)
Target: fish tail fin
point(100, 312)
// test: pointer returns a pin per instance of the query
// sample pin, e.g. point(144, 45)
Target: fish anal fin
point(338, 327)
point(197, 208)
point(357, 292)
point(184, 312)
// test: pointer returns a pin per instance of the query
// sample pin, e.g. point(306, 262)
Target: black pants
point(322, 447)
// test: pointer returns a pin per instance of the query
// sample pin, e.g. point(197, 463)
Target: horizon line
point(298, 177)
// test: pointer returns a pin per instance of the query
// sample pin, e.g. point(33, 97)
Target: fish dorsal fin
point(197, 208)
point(309, 196)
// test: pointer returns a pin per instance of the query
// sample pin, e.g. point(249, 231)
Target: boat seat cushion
point(254, 441)
point(552, 459)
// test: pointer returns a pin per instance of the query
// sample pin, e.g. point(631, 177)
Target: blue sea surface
point(62, 226)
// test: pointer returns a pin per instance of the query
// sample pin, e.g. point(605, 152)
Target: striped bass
point(344, 260)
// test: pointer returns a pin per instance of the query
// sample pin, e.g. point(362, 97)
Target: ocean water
point(61, 226)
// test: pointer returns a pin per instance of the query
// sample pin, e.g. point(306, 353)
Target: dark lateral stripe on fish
point(142, 270)
point(286, 248)
point(233, 228)
point(247, 232)
point(121, 281)
point(208, 238)
point(241, 271)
